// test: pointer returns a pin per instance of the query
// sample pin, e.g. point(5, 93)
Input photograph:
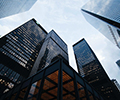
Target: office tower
point(18, 52)
point(53, 46)
point(105, 17)
point(90, 69)
point(116, 83)
point(118, 63)
point(58, 81)
point(11, 7)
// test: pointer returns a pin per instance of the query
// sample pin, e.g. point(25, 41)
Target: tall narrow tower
point(90, 68)
point(53, 46)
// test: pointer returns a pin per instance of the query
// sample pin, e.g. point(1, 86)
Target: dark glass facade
point(58, 81)
point(11, 7)
point(107, 15)
point(18, 52)
point(90, 68)
point(53, 46)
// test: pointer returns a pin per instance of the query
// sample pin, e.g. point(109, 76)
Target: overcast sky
point(65, 17)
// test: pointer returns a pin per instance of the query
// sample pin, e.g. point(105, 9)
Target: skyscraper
point(90, 68)
point(11, 7)
point(53, 46)
point(104, 16)
point(26, 50)
point(18, 52)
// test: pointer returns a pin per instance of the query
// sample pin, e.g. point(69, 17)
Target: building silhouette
point(57, 81)
point(18, 52)
point(90, 69)
point(11, 7)
point(105, 17)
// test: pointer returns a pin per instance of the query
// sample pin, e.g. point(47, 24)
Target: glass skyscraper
point(53, 46)
point(104, 16)
point(18, 52)
point(90, 69)
point(26, 50)
point(11, 7)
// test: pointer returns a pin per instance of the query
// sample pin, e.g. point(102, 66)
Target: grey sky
point(65, 17)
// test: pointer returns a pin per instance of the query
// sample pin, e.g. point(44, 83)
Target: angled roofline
point(39, 25)
point(78, 42)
